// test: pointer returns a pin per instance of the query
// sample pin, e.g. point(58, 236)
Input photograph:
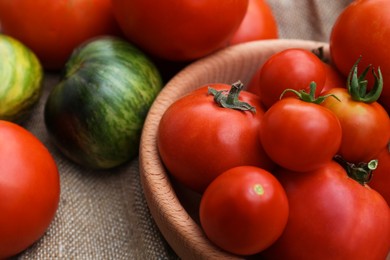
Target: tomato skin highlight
point(52, 29)
point(29, 189)
point(331, 217)
point(366, 126)
point(198, 139)
point(244, 210)
point(300, 136)
point(182, 30)
point(363, 29)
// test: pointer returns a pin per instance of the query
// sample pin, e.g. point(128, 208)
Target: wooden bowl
point(174, 208)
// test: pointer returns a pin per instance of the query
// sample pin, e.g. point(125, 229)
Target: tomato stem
point(357, 84)
point(361, 172)
point(231, 99)
point(309, 97)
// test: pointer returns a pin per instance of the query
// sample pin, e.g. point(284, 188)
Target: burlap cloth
point(104, 215)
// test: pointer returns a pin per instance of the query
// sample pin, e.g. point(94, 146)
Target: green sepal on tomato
point(244, 210)
point(365, 123)
point(362, 29)
point(331, 216)
point(209, 131)
point(298, 133)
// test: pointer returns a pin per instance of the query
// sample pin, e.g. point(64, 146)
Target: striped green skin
point(96, 113)
point(21, 77)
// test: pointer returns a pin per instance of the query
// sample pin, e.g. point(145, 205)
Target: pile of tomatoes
point(178, 31)
point(296, 166)
point(286, 180)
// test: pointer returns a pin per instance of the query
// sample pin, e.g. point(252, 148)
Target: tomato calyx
point(357, 84)
point(231, 99)
point(361, 172)
point(309, 97)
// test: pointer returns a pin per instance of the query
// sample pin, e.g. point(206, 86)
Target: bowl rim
point(176, 225)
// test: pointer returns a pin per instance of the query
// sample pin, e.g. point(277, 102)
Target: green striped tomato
point(96, 112)
point(21, 77)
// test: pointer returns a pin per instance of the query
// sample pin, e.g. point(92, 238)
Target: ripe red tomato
point(179, 29)
point(300, 135)
point(366, 126)
point(29, 189)
point(331, 216)
point(52, 29)
point(198, 139)
point(334, 79)
point(244, 210)
point(253, 83)
point(381, 175)
point(291, 68)
point(370, 20)
point(259, 23)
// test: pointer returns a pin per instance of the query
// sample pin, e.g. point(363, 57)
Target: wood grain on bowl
point(174, 208)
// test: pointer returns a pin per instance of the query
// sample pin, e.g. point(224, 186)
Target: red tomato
point(366, 126)
point(300, 135)
point(252, 85)
point(291, 68)
point(331, 216)
point(52, 29)
point(333, 78)
point(244, 210)
point(363, 28)
point(381, 175)
point(179, 29)
point(259, 23)
point(198, 139)
point(29, 189)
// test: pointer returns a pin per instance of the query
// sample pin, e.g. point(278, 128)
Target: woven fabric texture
point(104, 215)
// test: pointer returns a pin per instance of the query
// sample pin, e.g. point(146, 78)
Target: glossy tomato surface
point(29, 189)
point(299, 135)
point(366, 126)
point(363, 29)
point(244, 210)
point(291, 68)
point(179, 29)
point(331, 216)
point(52, 29)
point(259, 23)
point(198, 139)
